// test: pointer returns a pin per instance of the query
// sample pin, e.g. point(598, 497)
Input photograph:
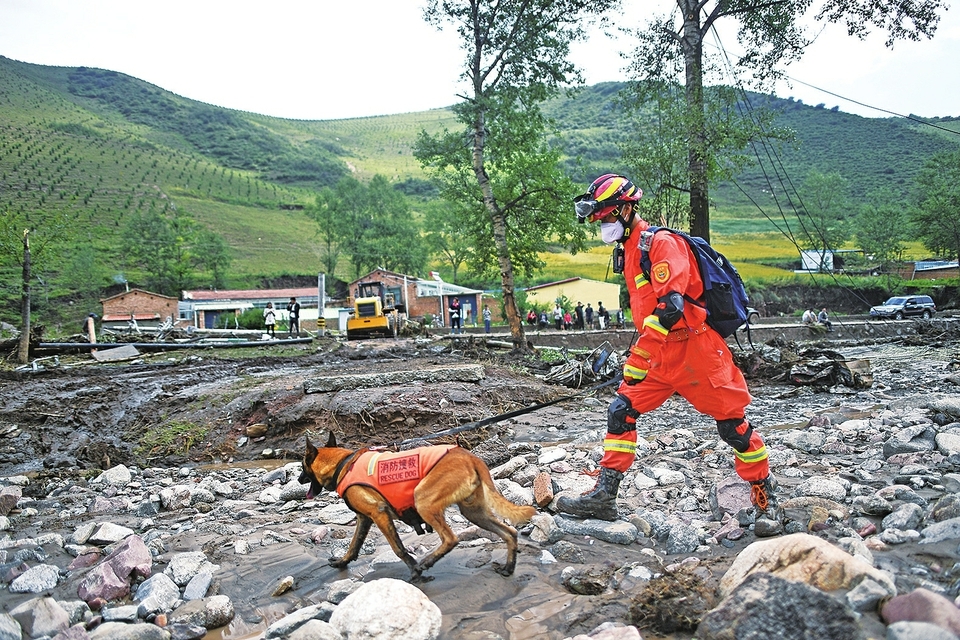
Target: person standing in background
point(455, 316)
point(293, 307)
point(486, 319)
point(270, 320)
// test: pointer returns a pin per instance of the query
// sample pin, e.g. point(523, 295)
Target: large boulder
point(805, 558)
point(765, 606)
point(387, 609)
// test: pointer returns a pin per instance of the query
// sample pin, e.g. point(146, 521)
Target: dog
point(421, 484)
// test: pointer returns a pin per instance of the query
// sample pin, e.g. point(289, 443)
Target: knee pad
point(618, 412)
point(735, 432)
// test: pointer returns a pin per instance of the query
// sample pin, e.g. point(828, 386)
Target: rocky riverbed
point(109, 530)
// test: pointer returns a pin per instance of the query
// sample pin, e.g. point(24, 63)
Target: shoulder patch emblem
point(660, 272)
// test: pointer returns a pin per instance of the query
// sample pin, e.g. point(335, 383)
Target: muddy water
point(475, 600)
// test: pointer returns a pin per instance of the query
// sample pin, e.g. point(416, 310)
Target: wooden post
point(23, 352)
point(92, 331)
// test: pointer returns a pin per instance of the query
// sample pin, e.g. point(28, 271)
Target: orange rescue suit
point(690, 358)
point(394, 474)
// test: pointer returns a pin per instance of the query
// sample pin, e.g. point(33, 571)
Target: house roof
point(428, 287)
point(251, 294)
point(553, 284)
point(381, 273)
point(930, 265)
point(433, 288)
point(135, 291)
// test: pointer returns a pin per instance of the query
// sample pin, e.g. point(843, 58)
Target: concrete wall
point(581, 290)
point(843, 330)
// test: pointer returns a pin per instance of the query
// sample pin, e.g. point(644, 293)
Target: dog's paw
point(337, 563)
point(503, 570)
point(419, 578)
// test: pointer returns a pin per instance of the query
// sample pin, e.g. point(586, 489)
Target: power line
point(779, 170)
point(870, 106)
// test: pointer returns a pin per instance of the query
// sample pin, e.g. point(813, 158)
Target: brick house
point(422, 297)
point(929, 270)
point(206, 309)
point(147, 308)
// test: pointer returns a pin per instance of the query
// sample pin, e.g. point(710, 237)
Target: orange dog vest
point(394, 474)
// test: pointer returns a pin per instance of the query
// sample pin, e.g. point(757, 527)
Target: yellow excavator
point(376, 313)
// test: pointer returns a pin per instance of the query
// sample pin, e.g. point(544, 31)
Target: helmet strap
point(627, 220)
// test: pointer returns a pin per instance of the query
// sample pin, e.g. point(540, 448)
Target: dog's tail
point(514, 513)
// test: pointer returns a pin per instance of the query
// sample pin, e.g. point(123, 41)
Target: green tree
point(162, 247)
point(395, 241)
point(444, 235)
point(334, 210)
point(883, 226)
point(499, 170)
point(212, 254)
point(770, 35)
point(30, 241)
point(936, 215)
point(656, 150)
point(380, 230)
point(84, 275)
point(822, 212)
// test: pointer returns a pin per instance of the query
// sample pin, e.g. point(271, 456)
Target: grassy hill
point(102, 147)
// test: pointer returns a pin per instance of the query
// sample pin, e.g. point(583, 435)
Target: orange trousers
point(700, 368)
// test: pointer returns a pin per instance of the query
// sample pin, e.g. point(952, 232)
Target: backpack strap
point(646, 243)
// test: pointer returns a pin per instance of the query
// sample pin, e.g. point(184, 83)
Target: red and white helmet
point(605, 194)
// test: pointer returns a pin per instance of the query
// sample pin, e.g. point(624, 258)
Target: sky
point(331, 59)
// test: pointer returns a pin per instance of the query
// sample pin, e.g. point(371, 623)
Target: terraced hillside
point(94, 149)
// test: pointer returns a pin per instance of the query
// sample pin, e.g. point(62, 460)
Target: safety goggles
point(589, 210)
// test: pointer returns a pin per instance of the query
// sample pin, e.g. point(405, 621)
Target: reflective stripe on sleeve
point(633, 372)
point(653, 322)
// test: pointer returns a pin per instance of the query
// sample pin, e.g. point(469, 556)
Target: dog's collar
point(331, 485)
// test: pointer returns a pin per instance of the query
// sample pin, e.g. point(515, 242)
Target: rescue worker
point(676, 352)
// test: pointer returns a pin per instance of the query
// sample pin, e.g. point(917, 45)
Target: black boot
point(762, 495)
point(601, 502)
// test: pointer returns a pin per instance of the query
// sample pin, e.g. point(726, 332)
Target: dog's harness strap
point(338, 471)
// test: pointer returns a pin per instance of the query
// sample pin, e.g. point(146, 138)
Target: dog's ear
point(332, 440)
point(311, 450)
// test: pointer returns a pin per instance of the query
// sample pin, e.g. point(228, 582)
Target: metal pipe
point(160, 346)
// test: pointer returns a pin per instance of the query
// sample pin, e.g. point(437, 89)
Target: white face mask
point(611, 232)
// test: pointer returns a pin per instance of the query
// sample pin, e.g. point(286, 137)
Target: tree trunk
point(696, 128)
point(499, 226)
point(23, 353)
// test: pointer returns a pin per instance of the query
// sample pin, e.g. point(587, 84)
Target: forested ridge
point(98, 148)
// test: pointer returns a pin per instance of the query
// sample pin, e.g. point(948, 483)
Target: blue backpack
point(723, 292)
